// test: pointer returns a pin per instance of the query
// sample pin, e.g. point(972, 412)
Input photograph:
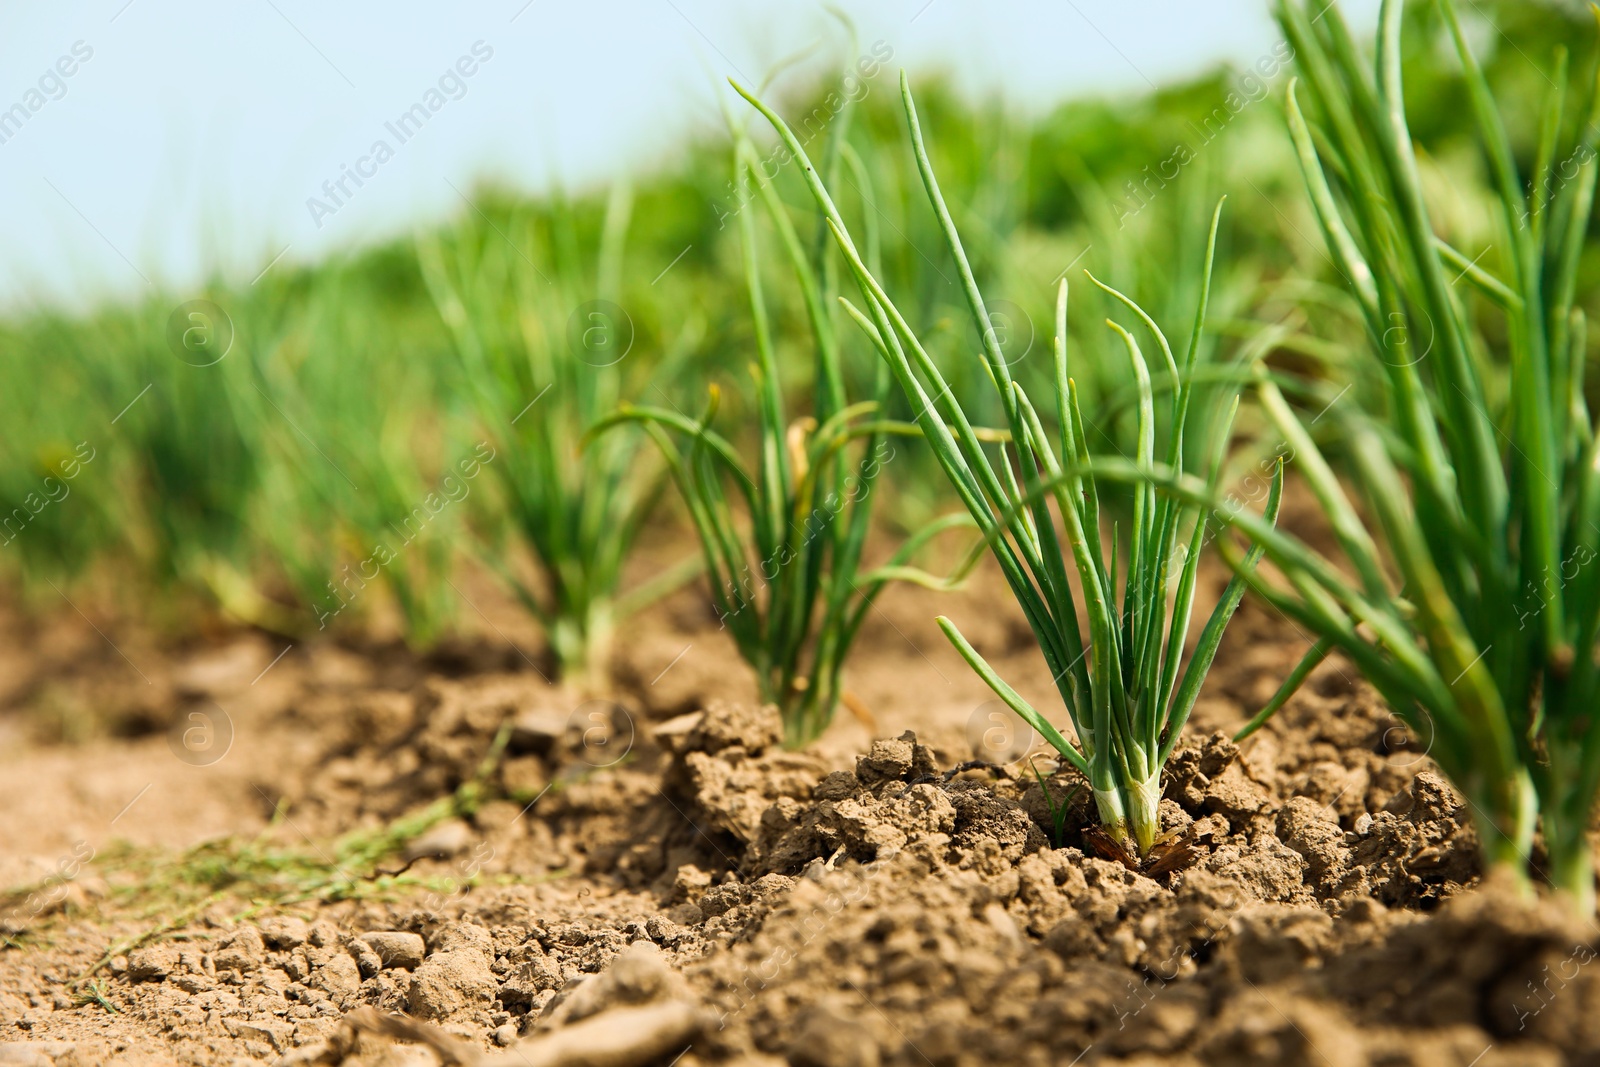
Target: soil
point(348, 853)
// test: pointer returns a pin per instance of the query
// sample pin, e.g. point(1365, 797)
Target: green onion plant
point(1468, 592)
point(794, 592)
point(1121, 683)
point(56, 516)
point(386, 481)
point(182, 423)
point(544, 357)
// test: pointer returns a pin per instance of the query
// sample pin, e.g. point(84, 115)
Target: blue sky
point(188, 135)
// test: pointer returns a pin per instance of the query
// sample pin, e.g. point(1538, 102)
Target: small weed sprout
point(1058, 809)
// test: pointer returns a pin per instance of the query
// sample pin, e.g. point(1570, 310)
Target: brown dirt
point(648, 877)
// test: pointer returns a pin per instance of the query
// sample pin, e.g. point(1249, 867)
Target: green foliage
point(252, 486)
point(544, 358)
point(1122, 688)
point(169, 465)
point(386, 472)
point(1469, 598)
point(795, 593)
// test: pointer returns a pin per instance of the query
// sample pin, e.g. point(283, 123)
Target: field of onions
point(904, 583)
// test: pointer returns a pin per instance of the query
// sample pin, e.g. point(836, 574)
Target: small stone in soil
point(442, 842)
point(537, 730)
point(284, 932)
point(152, 964)
point(396, 948)
point(367, 959)
point(826, 1037)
